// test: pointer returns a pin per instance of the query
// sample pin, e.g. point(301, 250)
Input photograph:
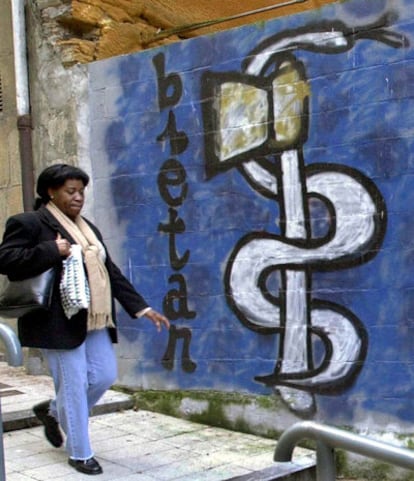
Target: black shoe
point(52, 431)
point(88, 466)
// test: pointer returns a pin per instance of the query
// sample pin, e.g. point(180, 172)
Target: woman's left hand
point(158, 319)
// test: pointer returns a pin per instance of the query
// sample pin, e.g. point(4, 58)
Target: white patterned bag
point(74, 287)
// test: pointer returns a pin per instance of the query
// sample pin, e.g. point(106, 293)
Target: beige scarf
point(100, 308)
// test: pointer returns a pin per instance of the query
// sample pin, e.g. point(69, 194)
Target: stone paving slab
point(130, 445)
point(146, 446)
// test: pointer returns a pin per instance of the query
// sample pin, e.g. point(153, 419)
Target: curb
point(26, 419)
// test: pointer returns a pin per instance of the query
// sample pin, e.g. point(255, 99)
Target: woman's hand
point(63, 246)
point(158, 319)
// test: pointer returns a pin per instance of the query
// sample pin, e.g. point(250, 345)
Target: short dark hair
point(55, 176)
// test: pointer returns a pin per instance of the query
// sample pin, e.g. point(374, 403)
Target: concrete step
point(23, 419)
point(281, 472)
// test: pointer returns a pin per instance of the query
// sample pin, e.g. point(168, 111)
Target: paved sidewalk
point(130, 445)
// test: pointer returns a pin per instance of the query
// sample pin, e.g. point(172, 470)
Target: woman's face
point(69, 198)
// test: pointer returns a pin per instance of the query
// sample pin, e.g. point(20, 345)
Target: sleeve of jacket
point(123, 291)
point(21, 254)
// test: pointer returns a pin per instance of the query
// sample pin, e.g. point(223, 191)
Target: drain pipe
point(24, 119)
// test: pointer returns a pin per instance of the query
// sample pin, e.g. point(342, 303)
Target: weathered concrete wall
point(10, 172)
point(10, 181)
point(58, 100)
point(256, 186)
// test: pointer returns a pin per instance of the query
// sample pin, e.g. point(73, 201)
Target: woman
point(79, 351)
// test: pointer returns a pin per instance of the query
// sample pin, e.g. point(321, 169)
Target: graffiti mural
point(258, 121)
point(259, 183)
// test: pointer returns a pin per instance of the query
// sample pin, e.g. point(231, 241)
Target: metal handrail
point(13, 348)
point(14, 358)
point(328, 438)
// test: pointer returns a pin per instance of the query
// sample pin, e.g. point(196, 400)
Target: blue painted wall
point(257, 186)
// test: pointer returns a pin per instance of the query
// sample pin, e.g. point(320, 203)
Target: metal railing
point(328, 438)
point(14, 358)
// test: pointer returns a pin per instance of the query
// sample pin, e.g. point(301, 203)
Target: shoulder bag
point(18, 298)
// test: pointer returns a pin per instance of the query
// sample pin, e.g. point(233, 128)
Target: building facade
point(254, 184)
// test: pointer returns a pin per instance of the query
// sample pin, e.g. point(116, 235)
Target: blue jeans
point(81, 376)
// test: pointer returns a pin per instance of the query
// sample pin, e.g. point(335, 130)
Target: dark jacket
point(29, 248)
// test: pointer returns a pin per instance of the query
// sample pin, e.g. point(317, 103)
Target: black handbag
point(18, 298)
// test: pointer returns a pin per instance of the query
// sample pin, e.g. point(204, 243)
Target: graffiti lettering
point(168, 359)
point(173, 189)
point(179, 295)
point(178, 139)
point(175, 226)
point(172, 173)
point(170, 87)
